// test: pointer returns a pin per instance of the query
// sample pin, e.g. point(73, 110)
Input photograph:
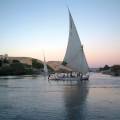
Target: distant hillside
point(24, 60)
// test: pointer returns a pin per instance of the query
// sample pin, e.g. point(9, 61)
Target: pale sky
point(29, 27)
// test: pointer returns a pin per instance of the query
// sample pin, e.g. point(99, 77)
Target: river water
point(36, 98)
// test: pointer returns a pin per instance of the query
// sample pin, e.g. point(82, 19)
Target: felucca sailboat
point(75, 57)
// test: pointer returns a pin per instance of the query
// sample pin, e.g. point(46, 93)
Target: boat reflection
point(75, 101)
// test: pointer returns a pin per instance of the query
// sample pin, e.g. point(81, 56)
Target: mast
point(75, 57)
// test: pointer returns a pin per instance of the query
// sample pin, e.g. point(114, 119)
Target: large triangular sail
point(75, 57)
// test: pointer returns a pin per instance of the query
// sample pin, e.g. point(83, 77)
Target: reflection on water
point(36, 98)
point(75, 100)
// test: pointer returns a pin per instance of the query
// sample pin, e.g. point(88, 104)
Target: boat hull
point(69, 78)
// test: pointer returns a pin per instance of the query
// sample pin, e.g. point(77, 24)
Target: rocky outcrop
point(58, 67)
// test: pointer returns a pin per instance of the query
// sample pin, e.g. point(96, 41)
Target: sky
point(33, 27)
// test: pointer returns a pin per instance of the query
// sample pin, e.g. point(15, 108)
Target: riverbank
point(21, 66)
point(113, 70)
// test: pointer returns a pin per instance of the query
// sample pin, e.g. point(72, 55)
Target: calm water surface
point(35, 98)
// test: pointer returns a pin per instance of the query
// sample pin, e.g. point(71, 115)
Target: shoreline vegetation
point(21, 66)
point(110, 70)
point(32, 66)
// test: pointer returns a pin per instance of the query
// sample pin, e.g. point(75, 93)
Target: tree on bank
point(36, 64)
point(116, 70)
point(106, 67)
point(15, 68)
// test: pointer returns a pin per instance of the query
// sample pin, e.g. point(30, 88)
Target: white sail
point(75, 57)
point(45, 67)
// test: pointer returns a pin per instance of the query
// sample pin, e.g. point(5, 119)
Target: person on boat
point(71, 74)
point(81, 76)
point(48, 76)
point(78, 74)
point(63, 75)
